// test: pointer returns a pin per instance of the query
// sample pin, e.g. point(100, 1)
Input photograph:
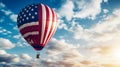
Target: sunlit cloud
point(8, 58)
point(6, 44)
point(80, 9)
point(88, 9)
point(66, 10)
point(26, 57)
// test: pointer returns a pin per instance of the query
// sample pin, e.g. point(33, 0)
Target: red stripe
point(47, 22)
point(40, 22)
point(34, 38)
point(29, 29)
point(50, 34)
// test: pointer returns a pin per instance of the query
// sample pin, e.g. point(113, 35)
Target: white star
point(20, 16)
point(32, 5)
point(29, 14)
point(35, 13)
point(35, 6)
point(32, 9)
point(22, 12)
point(27, 18)
point(27, 11)
point(22, 19)
point(33, 17)
point(29, 7)
point(24, 15)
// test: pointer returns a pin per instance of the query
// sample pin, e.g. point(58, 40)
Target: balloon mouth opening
point(37, 47)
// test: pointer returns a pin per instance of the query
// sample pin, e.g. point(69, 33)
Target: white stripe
point(54, 26)
point(50, 23)
point(30, 33)
point(28, 24)
point(43, 22)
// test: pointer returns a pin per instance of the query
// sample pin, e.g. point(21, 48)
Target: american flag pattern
point(37, 24)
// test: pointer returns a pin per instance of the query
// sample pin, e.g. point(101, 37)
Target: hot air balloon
point(37, 24)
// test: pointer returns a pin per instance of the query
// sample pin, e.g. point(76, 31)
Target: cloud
point(8, 13)
point(105, 30)
point(26, 57)
point(2, 52)
point(105, 1)
point(62, 25)
point(63, 54)
point(6, 44)
point(4, 31)
point(2, 5)
point(88, 8)
point(57, 47)
point(70, 63)
point(21, 41)
point(8, 58)
point(101, 38)
point(105, 11)
point(13, 17)
point(111, 65)
point(15, 28)
point(66, 9)
point(13, 60)
point(80, 9)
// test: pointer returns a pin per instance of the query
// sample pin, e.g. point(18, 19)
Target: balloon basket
point(38, 55)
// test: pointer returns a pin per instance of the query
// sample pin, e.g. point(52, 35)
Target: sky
point(87, 35)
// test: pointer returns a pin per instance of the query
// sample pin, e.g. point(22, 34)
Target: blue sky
point(87, 31)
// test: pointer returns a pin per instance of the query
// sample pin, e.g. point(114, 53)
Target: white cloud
point(80, 9)
point(8, 58)
point(8, 13)
point(105, 11)
point(17, 36)
point(13, 17)
point(103, 31)
point(105, 1)
point(62, 25)
point(61, 47)
point(26, 57)
point(88, 8)
point(6, 44)
point(101, 36)
point(15, 28)
point(67, 9)
point(2, 52)
point(21, 41)
point(2, 5)
point(62, 54)
point(67, 56)
point(13, 60)
point(4, 31)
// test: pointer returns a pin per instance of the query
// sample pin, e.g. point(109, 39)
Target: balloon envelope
point(37, 24)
